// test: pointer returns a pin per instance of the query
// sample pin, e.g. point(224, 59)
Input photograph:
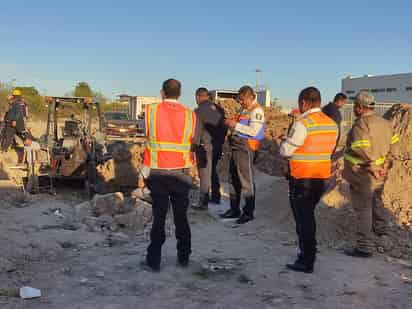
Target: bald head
point(171, 89)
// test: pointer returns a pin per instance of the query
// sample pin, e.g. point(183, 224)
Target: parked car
point(118, 124)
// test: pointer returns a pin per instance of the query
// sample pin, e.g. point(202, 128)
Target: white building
point(137, 104)
point(386, 88)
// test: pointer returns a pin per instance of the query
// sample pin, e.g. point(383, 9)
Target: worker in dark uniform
point(219, 138)
point(247, 131)
point(210, 120)
point(14, 119)
point(332, 110)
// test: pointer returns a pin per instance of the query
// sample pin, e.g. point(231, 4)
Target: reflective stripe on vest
point(174, 154)
point(365, 144)
point(395, 139)
point(357, 161)
point(313, 158)
point(244, 119)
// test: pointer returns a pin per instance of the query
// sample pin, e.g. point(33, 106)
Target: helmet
point(16, 92)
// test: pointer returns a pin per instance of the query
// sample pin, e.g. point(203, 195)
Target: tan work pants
point(33, 178)
point(370, 214)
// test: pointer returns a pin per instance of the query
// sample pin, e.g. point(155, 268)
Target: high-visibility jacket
point(170, 128)
point(369, 141)
point(312, 160)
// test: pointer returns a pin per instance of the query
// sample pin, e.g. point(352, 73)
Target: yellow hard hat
point(16, 92)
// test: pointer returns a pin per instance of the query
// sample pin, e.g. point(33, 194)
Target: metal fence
point(349, 117)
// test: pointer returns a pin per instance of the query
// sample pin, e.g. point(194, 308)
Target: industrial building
point(395, 88)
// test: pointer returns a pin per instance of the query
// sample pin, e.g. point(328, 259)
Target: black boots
point(230, 214)
point(244, 219)
point(300, 266)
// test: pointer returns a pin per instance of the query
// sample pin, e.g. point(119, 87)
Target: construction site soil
point(85, 254)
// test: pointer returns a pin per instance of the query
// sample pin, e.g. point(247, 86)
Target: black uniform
point(15, 113)
point(212, 137)
point(334, 113)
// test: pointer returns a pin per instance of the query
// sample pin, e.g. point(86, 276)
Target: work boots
point(230, 214)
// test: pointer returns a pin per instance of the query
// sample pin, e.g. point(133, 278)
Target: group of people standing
point(175, 133)
point(178, 138)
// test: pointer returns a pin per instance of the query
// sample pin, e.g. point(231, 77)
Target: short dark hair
point(340, 96)
point(247, 90)
point(172, 88)
point(311, 95)
point(202, 91)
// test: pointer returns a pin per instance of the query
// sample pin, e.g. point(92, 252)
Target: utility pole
point(257, 71)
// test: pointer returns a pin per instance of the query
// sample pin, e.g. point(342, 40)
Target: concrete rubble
point(112, 211)
point(122, 171)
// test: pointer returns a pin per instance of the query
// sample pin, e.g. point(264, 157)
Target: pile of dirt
point(268, 159)
point(336, 216)
point(398, 186)
point(8, 162)
point(122, 171)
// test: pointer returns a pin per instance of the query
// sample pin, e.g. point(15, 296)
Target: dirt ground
point(240, 267)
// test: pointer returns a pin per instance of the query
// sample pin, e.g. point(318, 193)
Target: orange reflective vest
point(313, 158)
point(169, 128)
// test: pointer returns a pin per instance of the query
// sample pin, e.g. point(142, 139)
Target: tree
point(83, 90)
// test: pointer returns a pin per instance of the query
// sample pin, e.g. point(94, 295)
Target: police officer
point(210, 119)
point(170, 130)
point(247, 131)
point(368, 154)
point(309, 146)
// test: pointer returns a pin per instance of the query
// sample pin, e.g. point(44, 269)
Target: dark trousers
point(216, 156)
point(169, 187)
point(8, 137)
point(242, 181)
point(304, 195)
point(204, 166)
point(207, 159)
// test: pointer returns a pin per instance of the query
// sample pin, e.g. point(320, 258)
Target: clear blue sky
point(132, 46)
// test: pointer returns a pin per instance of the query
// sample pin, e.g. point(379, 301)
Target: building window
point(391, 89)
point(408, 88)
point(378, 90)
point(350, 91)
point(352, 98)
